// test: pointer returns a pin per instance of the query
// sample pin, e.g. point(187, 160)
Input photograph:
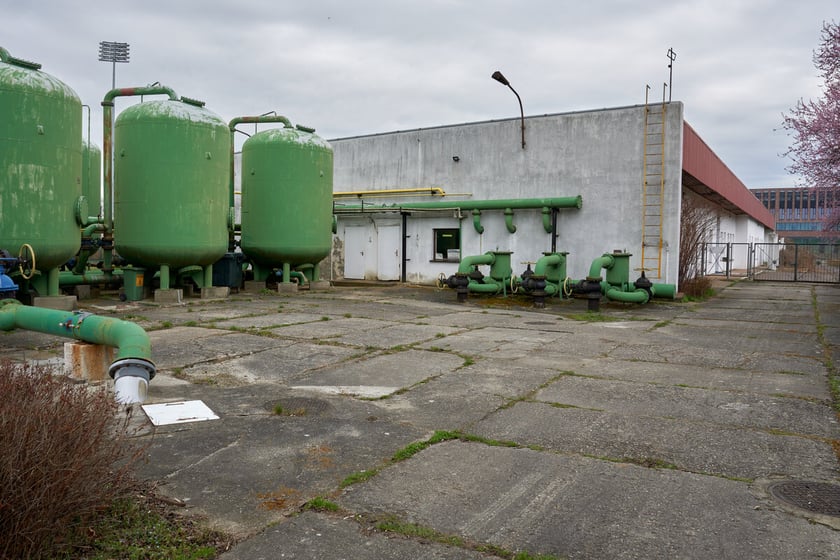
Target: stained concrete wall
point(595, 154)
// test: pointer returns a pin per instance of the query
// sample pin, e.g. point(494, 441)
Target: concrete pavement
point(651, 432)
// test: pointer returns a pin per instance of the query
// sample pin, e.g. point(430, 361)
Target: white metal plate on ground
point(178, 412)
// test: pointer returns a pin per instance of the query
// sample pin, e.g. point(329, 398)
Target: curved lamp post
point(499, 77)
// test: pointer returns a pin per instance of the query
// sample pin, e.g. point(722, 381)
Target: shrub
point(64, 459)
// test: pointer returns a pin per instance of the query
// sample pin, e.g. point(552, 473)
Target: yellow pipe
point(434, 191)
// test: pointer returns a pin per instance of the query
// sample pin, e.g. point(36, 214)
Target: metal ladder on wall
point(653, 186)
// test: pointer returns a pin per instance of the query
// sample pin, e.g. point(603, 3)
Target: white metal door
point(355, 244)
point(388, 252)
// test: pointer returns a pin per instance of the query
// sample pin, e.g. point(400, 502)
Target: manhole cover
point(816, 497)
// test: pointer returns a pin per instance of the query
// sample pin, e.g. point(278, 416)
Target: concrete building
point(799, 212)
point(406, 201)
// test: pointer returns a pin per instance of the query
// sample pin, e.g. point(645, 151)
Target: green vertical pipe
point(509, 220)
point(208, 276)
point(476, 214)
point(546, 219)
point(52, 282)
point(316, 272)
point(164, 277)
point(287, 269)
point(130, 339)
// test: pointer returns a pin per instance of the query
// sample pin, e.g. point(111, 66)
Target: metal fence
point(772, 261)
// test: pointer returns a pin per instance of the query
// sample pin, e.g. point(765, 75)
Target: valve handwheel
point(26, 265)
point(441, 281)
point(567, 286)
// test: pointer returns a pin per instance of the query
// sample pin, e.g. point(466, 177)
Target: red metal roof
point(702, 164)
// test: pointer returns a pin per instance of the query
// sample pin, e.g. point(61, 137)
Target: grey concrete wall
point(596, 154)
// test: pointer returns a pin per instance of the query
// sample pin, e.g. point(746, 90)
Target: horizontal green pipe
point(664, 291)
point(486, 288)
point(130, 339)
point(636, 296)
point(502, 204)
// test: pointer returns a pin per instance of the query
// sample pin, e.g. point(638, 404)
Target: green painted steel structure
point(171, 170)
point(40, 162)
point(287, 176)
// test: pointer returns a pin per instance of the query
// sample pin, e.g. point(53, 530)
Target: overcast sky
point(353, 67)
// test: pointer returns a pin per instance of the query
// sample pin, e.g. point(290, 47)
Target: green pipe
point(132, 367)
point(509, 220)
point(515, 203)
point(87, 277)
point(164, 277)
point(486, 288)
point(546, 219)
point(664, 291)
point(636, 296)
point(53, 288)
point(466, 264)
point(232, 126)
point(476, 214)
point(547, 263)
point(301, 277)
point(604, 261)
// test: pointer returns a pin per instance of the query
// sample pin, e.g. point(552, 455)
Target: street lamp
point(112, 52)
point(499, 77)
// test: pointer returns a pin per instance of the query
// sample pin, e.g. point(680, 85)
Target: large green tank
point(171, 173)
point(287, 176)
point(91, 176)
point(40, 162)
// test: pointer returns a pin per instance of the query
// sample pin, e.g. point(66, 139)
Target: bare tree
point(696, 226)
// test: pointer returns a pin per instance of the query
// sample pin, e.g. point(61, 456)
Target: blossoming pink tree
point(815, 128)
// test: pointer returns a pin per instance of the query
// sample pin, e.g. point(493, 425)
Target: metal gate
point(773, 261)
point(797, 263)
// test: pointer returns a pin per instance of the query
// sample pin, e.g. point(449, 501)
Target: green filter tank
point(40, 162)
point(287, 176)
point(171, 172)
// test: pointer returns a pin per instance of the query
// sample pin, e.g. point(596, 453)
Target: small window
point(447, 245)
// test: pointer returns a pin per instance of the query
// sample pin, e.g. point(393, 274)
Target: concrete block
point(253, 286)
point(62, 303)
point(320, 285)
point(169, 297)
point(215, 292)
point(82, 292)
point(287, 287)
point(87, 362)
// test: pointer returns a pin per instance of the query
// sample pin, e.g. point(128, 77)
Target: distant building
point(799, 212)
